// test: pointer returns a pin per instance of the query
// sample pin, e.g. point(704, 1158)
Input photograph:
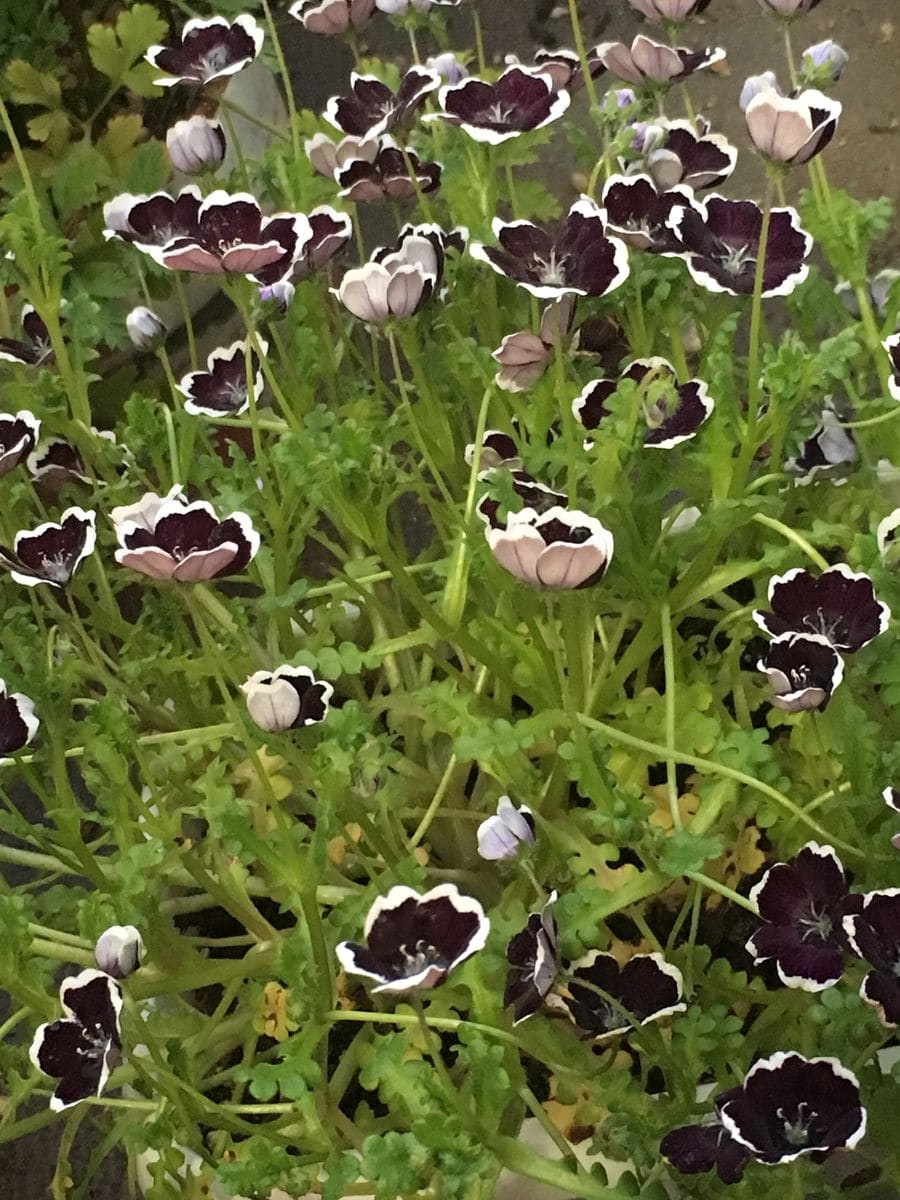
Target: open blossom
point(415, 940)
point(391, 174)
point(18, 724)
point(653, 63)
point(518, 102)
point(152, 221)
point(874, 934)
point(686, 153)
point(604, 999)
point(792, 129)
point(207, 50)
point(828, 453)
point(839, 604)
point(54, 551)
point(223, 390)
point(371, 108)
point(673, 411)
point(19, 433)
point(286, 698)
point(803, 670)
point(80, 1049)
point(34, 349)
point(638, 213)
point(707, 1146)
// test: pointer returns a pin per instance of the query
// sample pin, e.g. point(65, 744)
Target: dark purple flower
point(874, 934)
point(891, 797)
point(695, 1149)
point(828, 453)
point(560, 549)
point(839, 604)
point(329, 231)
point(222, 390)
point(231, 235)
point(208, 50)
point(639, 214)
point(605, 999)
point(166, 537)
point(792, 129)
point(789, 1106)
point(721, 246)
point(372, 108)
point(801, 903)
point(415, 940)
point(286, 698)
point(18, 437)
point(498, 449)
point(35, 350)
point(54, 461)
point(527, 491)
point(391, 175)
point(501, 835)
point(18, 724)
point(803, 670)
point(80, 1049)
point(151, 222)
point(673, 411)
point(533, 959)
point(518, 102)
point(687, 155)
point(892, 345)
point(563, 67)
point(577, 258)
point(332, 16)
point(654, 63)
point(53, 552)
point(523, 356)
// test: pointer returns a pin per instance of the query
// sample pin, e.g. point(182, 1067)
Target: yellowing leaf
point(118, 141)
point(30, 86)
point(50, 127)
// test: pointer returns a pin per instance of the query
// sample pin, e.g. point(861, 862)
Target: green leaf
point(50, 127)
point(117, 144)
point(78, 178)
point(32, 87)
point(114, 51)
point(685, 851)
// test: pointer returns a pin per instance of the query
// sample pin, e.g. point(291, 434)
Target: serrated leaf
point(50, 127)
point(140, 27)
point(117, 144)
point(30, 86)
point(140, 80)
point(107, 53)
point(685, 851)
point(114, 51)
point(78, 178)
point(148, 168)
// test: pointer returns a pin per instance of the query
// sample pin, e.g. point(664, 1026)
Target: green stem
point(792, 536)
point(669, 667)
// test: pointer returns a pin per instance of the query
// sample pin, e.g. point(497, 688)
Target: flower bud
point(502, 835)
point(145, 328)
point(273, 706)
point(767, 82)
point(448, 67)
point(825, 59)
point(281, 294)
point(196, 145)
point(119, 950)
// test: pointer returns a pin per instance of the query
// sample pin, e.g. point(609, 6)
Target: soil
point(864, 157)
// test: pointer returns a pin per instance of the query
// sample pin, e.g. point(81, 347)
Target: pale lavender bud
point(646, 136)
point(828, 56)
point(624, 97)
point(145, 328)
point(280, 293)
point(196, 145)
point(767, 82)
point(448, 67)
point(118, 950)
point(501, 836)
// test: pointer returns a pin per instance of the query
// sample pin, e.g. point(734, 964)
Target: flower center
point(796, 1126)
point(551, 271)
point(817, 924)
point(735, 260)
point(56, 567)
point(422, 955)
point(818, 622)
point(213, 61)
point(497, 114)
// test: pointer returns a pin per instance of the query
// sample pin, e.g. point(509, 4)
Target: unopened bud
point(196, 145)
point(281, 294)
point(755, 85)
point(825, 57)
point(145, 328)
point(119, 950)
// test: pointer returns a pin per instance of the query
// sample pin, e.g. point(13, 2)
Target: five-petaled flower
point(829, 452)
point(558, 549)
point(168, 537)
point(19, 433)
point(501, 835)
point(389, 174)
point(695, 1149)
point(518, 102)
point(35, 349)
point(654, 63)
point(792, 129)
point(533, 963)
point(223, 389)
point(372, 108)
point(801, 904)
point(18, 724)
point(523, 356)
point(332, 16)
point(394, 283)
point(286, 698)
point(605, 999)
point(578, 257)
point(673, 411)
point(874, 934)
point(839, 604)
point(721, 240)
point(53, 552)
point(208, 50)
point(638, 213)
point(789, 1106)
point(152, 221)
point(415, 940)
point(79, 1050)
point(803, 670)
point(681, 152)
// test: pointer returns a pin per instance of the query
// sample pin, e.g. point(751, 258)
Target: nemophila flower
point(696, 1149)
point(792, 129)
point(533, 961)
point(879, 287)
point(498, 449)
point(170, 538)
point(528, 491)
point(19, 433)
point(448, 66)
point(518, 102)
point(119, 950)
point(196, 145)
point(396, 286)
point(372, 108)
point(425, 245)
point(80, 1049)
point(18, 724)
point(35, 348)
point(326, 156)
point(828, 453)
point(874, 934)
point(559, 549)
point(332, 16)
point(886, 536)
point(414, 941)
point(800, 902)
point(54, 461)
point(578, 257)
point(839, 604)
point(330, 231)
point(502, 835)
point(151, 222)
point(674, 412)
point(53, 552)
point(605, 999)
point(789, 1106)
point(892, 345)
point(561, 65)
point(803, 670)
point(756, 85)
point(825, 58)
point(286, 698)
point(669, 10)
point(639, 214)
point(523, 356)
point(232, 236)
point(721, 240)
point(207, 50)
point(891, 797)
point(145, 329)
point(654, 63)
point(223, 389)
point(688, 155)
point(788, 8)
point(391, 174)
